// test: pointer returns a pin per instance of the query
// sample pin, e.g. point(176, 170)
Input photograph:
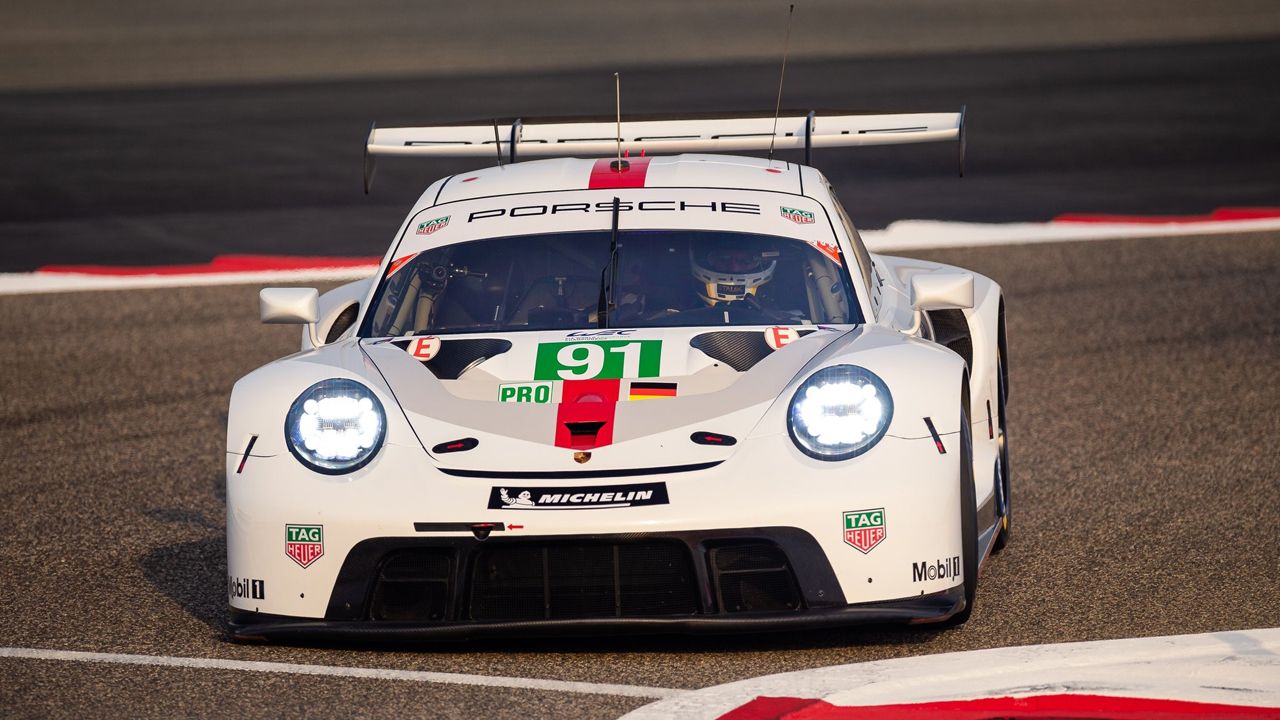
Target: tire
point(1002, 397)
point(968, 517)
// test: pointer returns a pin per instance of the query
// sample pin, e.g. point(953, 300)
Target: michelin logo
point(936, 570)
point(577, 498)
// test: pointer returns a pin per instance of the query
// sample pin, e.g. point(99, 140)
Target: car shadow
point(194, 575)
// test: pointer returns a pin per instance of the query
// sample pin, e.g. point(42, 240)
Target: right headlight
point(336, 426)
point(840, 412)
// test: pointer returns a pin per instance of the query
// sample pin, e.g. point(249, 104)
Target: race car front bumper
point(695, 582)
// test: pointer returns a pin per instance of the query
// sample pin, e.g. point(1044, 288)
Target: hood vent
point(739, 349)
point(456, 356)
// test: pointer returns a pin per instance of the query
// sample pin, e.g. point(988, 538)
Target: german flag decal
point(651, 390)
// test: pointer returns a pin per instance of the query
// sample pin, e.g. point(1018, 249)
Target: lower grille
point(436, 581)
point(567, 581)
point(754, 577)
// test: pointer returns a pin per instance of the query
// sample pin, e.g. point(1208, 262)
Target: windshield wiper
point(609, 275)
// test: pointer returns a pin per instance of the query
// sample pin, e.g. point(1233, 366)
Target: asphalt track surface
point(138, 43)
point(1142, 414)
point(179, 175)
point(1143, 371)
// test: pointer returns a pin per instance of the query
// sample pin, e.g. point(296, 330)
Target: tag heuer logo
point(864, 529)
point(431, 226)
point(304, 544)
point(802, 217)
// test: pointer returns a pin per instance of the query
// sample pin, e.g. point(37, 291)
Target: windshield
point(564, 281)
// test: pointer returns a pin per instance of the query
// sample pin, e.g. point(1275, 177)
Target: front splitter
point(932, 608)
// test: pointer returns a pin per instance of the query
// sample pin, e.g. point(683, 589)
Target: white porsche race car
point(653, 393)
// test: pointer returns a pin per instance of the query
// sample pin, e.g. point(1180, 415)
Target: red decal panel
point(603, 176)
point(220, 264)
point(1226, 214)
point(1077, 707)
point(588, 406)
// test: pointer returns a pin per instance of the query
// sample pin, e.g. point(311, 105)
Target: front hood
point(518, 395)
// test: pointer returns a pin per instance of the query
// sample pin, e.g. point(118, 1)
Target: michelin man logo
point(524, 499)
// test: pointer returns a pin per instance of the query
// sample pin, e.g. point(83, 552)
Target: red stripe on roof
point(632, 174)
point(1219, 215)
point(1077, 707)
point(220, 264)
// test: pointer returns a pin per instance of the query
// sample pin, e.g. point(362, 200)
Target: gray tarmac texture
point(156, 176)
point(77, 44)
point(1142, 411)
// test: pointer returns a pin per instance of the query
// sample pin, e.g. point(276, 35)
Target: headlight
point(840, 412)
point(336, 426)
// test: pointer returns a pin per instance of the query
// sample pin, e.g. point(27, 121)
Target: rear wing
point(604, 138)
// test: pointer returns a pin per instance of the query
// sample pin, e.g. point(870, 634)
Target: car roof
point(570, 174)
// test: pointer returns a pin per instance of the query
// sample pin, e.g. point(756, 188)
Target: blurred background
point(149, 132)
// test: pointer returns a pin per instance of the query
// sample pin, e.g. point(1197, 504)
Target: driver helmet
point(730, 269)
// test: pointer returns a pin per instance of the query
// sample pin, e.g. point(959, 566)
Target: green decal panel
point(536, 392)
point(598, 359)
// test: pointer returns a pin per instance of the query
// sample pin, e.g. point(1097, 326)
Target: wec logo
point(304, 544)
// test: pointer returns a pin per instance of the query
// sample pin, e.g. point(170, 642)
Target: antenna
point(777, 108)
point(497, 143)
point(617, 104)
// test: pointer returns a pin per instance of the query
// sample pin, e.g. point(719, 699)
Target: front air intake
point(413, 585)
point(754, 577)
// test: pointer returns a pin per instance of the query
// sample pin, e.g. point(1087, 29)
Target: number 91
point(581, 362)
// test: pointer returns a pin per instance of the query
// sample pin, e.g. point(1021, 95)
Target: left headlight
point(336, 426)
point(840, 412)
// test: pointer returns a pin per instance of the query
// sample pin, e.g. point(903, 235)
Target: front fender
point(924, 380)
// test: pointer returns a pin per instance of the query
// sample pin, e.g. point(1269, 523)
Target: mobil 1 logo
point(249, 588)
point(944, 569)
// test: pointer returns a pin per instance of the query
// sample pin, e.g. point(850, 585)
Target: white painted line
point(934, 234)
point(31, 283)
point(1240, 667)
point(564, 686)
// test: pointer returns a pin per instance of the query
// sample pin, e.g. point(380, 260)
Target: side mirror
point(938, 291)
point(941, 291)
point(291, 306)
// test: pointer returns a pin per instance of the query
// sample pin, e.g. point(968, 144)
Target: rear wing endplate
point(662, 137)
